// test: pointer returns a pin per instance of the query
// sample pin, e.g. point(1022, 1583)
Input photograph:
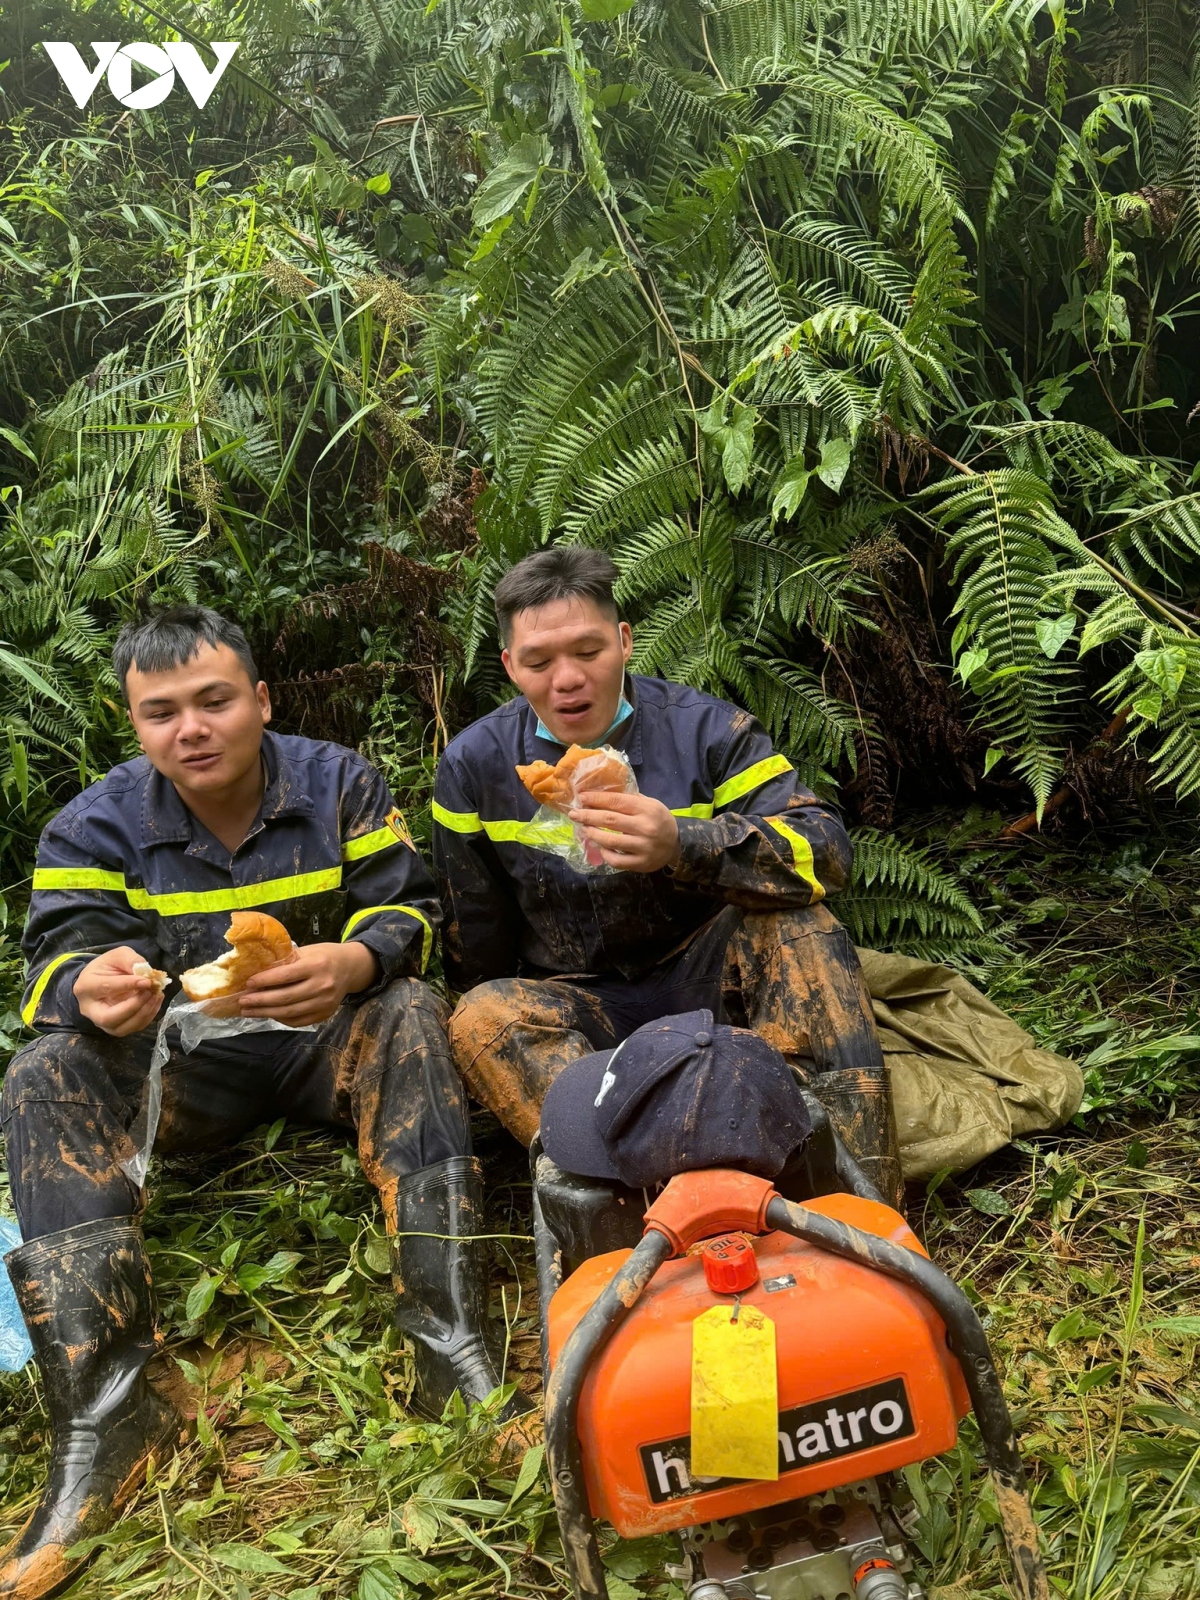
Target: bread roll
point(143, 969)
point(560, 786)
point(258, 942)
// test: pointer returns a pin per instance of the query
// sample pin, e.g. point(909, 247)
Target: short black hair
point(564, 572)
point(166, 639)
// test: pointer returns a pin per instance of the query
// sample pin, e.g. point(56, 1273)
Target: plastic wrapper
point(15, 1348)
point(195, 1024)
point(551, 830)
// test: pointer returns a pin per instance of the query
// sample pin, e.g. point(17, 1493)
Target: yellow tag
point(735, 1395)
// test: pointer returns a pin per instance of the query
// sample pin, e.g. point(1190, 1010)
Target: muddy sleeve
point(770, 843)
point(481, 935)
point(391, 904)
point(78, 909)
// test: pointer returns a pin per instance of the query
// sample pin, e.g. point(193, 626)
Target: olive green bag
point(965, 1078)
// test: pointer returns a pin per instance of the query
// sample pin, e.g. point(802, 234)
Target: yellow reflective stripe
point(742, 782)
point(457, 821)
point(367, 844)
point(535, 833)
point(802, 855)
point(241, 898)
point(44, 976)
point(702, 808)
point(77, 878)
point(184, 904)
point(409, 911)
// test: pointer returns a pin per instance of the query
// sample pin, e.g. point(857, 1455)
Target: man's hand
point(109, 995)
point(311, 985)
point(631, 831)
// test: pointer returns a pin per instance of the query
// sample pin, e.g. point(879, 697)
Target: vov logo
point(116, 62)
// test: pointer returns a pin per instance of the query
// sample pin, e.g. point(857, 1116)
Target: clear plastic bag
point(15, 1348)
point(195, 1024)
point(549, 829)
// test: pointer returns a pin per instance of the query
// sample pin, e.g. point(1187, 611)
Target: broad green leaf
point(281, 1263)
point(1053, 633)
point(491, 238)
point(378, 1582)
point(378, 1254)
point(1149, 706)
point(604, 10)
point(971, 662)
point(531, 1465)
point(246, 1558)
point(639, 1558)
point(994, 753)
point(834, 463)
point(1095, 1376)
point(1075, 1325)
point(990, 1202)
point(381, 183)
point(200, 1296)
point(506, 183)
point(287, 1543)
point(1186, 1327)
point(790, 488)
point(737, 448)
point(1166, 668)
point(411, 1568)
point(617, 94)
point(419, 1522)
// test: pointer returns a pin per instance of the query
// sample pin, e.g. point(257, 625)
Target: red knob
point(729, 1264)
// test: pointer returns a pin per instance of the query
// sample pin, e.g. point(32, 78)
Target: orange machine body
point(867, 1382)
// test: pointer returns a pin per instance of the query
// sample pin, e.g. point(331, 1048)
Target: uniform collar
point(627, 735)
point(166, 820)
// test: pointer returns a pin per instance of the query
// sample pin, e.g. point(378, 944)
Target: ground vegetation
point(863, 338)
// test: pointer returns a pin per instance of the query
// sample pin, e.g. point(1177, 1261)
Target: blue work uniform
point(126, 863)
point(554, 962)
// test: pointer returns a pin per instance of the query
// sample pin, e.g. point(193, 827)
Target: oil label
point(842, 1425)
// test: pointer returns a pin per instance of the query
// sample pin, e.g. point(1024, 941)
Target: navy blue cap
point(679, 1094)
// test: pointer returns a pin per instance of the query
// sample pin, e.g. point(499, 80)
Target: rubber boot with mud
point(440, 1276)
point(859, 1104)
point(85, 1297)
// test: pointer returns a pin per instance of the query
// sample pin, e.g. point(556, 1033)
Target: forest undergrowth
point(308, 1477)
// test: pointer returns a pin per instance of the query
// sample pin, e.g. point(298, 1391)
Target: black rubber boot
point(85, 1297)
point(859, 1104)
point(440, 1276)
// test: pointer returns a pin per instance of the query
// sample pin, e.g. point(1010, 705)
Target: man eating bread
point(276, 877)
point(720, 865)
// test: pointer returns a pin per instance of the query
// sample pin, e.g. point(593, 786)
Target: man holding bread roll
point(722, 859)
point(276, 876)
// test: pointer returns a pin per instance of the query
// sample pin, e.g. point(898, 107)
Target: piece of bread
point(560, 786)
point(143, 969)
point(258, 942)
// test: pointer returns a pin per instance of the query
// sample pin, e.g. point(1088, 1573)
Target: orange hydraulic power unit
point(866, 1380)
point(759, 1444)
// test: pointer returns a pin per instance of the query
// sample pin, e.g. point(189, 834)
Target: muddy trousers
point(792, 976)
point(381, 1067)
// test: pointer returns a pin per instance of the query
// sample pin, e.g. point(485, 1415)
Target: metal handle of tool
point(969, 1344)
point(589, 1336)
